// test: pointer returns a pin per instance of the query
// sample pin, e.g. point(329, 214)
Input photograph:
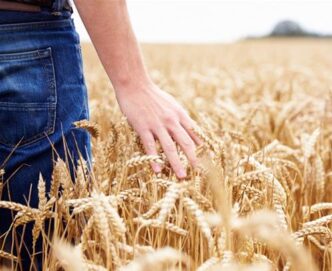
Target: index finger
point(169, 147)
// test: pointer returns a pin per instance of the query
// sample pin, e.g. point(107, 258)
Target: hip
point(42, 88)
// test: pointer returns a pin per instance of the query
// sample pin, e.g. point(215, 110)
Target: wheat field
point(261, 196)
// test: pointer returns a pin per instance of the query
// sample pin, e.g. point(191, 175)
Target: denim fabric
point(42, 92)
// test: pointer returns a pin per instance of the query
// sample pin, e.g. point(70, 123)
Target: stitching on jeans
point(36, 137)
point(26, 106)
point(54, 85)
point(31, 139)
point(50, 81)
point(30, 55)
point(36, 25)
point(50, 107)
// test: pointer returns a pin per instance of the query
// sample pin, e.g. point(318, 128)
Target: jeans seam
point(54, 85)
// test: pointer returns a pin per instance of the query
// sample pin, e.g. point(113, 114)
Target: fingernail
point(182, 173)
point(156, 168)
point(194, 163)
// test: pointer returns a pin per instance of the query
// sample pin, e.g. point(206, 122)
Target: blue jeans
point(42, 92)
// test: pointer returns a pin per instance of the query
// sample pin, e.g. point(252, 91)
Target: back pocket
point(27, 96)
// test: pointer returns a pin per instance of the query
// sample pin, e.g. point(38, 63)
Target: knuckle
point(169, 119)
point(169, 147)
point(177, 167)
point(156, 127)
point(176, 164)
point(142, 131)
point(187, 143)
point(150, 145)
point(144, 134)
point(193, 158)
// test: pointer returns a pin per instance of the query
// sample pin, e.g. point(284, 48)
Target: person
point(42, 92)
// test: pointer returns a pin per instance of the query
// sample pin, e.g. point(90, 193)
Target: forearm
point(153, 113)
point(109, 27)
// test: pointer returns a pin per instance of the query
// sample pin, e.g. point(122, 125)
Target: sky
point(214, 21)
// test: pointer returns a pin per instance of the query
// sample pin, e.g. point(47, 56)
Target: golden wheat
point(260, 198)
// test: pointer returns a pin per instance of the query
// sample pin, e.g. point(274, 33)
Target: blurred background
point(219, 21)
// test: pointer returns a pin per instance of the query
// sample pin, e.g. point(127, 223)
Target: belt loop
point(59, 5)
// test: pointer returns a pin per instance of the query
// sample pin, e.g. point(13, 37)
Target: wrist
point(129, 85)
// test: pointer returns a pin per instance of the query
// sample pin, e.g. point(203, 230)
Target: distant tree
point(288, 28)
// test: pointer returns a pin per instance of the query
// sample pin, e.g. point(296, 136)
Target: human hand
point(155, 114)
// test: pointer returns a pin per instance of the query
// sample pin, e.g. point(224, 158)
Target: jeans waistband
point(55, 6)
point(41, 25)
point(21, 17)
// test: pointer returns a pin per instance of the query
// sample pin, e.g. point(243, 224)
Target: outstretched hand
point(155, 114)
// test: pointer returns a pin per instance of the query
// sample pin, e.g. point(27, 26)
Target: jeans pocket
point(27, 96)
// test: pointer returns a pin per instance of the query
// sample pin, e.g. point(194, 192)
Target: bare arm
point(152, 112)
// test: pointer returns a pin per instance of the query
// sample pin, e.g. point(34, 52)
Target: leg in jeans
point(42, 92)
